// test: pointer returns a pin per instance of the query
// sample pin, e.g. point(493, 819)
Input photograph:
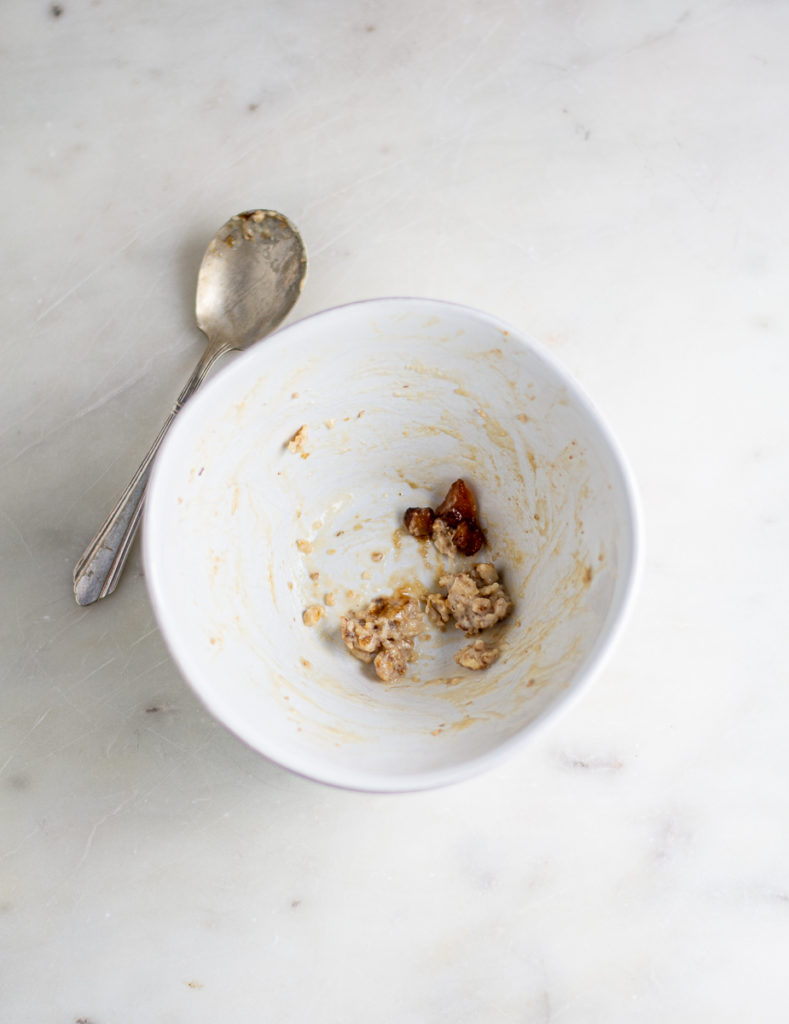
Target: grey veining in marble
point(612, 178)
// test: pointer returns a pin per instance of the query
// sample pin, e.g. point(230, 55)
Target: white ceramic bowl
point(399, 397)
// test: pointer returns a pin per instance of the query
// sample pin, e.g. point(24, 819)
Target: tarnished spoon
point(250, 277)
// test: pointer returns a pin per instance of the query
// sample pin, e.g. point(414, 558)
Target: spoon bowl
point(251, 275)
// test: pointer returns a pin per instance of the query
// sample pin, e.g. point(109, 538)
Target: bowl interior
point(244, 531)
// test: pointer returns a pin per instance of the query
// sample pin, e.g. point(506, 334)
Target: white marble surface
point(609, 176)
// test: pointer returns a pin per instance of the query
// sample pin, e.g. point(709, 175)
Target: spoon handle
point(97, 572)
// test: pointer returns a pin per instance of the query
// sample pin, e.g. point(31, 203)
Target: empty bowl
point(276, 507)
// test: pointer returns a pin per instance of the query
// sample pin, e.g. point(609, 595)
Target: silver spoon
point(251, 275)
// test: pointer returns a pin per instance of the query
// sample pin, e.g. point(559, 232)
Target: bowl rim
point(358, 780)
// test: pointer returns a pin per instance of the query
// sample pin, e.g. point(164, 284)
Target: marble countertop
point(611, 178)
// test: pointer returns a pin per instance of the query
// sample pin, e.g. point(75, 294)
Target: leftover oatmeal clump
point(476, 600)
point(454, 526)
point(384, 633)
point(477, 655)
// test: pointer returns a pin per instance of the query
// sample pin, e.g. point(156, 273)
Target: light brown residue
point(298, 440)
point(312, 615)
point(536, 652)
point(541, 519)
point(304, 546)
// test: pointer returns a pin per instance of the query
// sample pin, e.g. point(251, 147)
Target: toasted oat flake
point(299, 439)
point(313, 615)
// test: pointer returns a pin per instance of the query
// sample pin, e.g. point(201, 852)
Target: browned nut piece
point(468, 538)
point(459, 504)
